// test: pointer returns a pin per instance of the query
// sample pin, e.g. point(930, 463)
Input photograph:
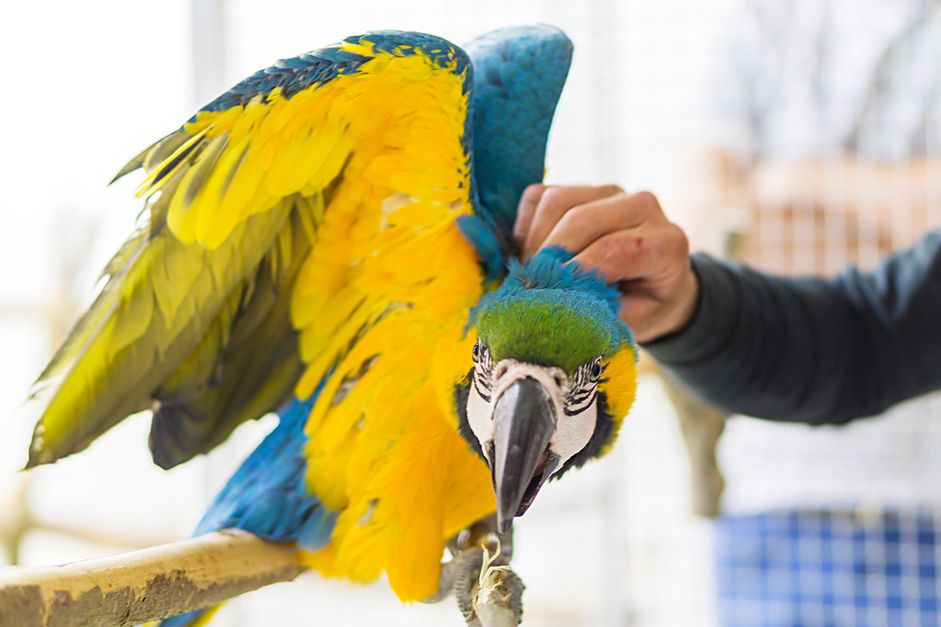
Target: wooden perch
point(146, 585)
point(171, 579)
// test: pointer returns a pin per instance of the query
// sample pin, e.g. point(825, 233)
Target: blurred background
point(797, 136)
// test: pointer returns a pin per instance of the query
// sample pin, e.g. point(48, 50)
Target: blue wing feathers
point(518, 77)
point(268, 496)
point(489, 246)
point(182, 620)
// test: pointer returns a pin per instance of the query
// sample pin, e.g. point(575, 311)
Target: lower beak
point(524, 421)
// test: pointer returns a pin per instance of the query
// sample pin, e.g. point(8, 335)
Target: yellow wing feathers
point(300, 240)
point(248, 362)
point(147, 320)
point(221, 192)
point(386, 291)
point(240, 161)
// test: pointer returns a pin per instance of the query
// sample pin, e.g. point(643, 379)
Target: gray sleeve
point(813, 350)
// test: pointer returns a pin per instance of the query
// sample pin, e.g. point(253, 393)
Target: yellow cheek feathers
point(619, 386)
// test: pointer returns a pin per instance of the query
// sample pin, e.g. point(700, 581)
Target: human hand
point(625, 237)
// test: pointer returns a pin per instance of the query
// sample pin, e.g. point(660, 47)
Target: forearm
point(748, 348)
point(811, 350)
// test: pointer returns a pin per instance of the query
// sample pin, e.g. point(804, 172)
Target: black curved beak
point(520, 462)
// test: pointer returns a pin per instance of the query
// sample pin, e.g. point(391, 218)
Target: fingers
point(619, 256)
point(553, 203)
point(585, 223)
point(625, 238)
point(648, 253)
point(525, 212)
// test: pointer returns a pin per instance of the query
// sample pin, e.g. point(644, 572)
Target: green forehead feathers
point(552, 313)
point(545, 327)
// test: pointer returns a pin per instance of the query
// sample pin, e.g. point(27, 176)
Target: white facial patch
point(572, 432)
point(480, 418)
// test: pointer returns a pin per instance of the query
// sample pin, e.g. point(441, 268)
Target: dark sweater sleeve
point(808, 349)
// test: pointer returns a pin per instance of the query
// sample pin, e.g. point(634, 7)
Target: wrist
point(686, 302)
point(678, 311)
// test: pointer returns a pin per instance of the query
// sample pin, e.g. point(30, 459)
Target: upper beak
point(524, 421)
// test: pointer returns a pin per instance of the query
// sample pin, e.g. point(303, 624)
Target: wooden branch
point(145, 585)
point(171, 579)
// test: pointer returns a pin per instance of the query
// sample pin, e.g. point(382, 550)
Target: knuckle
point(645, 199)
point(533, 192)
point(623, 202)
point(676, 239)
point(574, 219)
point(553, 198)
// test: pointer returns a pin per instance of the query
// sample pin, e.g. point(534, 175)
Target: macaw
point(331, 239)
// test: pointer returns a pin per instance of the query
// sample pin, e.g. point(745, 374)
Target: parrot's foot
point(483, 533)
point(488, 592)
point(498, 599)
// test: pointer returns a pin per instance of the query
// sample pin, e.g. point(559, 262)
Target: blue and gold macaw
point(331, 239)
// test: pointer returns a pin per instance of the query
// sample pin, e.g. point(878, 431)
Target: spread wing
point(261, 209)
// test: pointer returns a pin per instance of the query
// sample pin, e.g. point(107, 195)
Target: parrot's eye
point(584, 387)
point(483, 371)
point(596, 369)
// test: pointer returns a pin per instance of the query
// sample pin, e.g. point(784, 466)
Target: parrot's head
point(553, 375)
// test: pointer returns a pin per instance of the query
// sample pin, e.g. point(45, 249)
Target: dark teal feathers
point(518, 77)
point(296, 74)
